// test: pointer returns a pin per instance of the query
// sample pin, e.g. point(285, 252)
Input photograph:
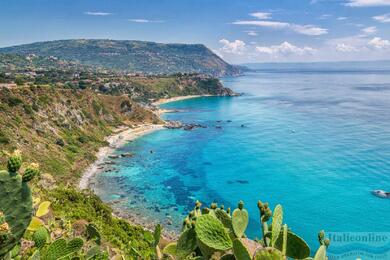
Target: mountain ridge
point(133, 56)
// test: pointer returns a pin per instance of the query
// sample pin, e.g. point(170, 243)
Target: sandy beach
point(120, 137)
point(173, 99)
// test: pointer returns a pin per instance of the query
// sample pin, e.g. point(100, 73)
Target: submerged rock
point(127, 154)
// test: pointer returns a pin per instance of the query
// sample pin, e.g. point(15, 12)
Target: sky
point(240, 31)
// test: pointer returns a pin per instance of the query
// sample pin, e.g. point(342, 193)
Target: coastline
point(179, 98)
point(119, 138)
point(124, 134)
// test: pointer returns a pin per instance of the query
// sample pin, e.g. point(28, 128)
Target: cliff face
point(63, 129)
point(133, 56)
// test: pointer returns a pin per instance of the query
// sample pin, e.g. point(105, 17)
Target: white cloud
point(379, 43)
point(347, 44)
point(324, 16)
point(308, 29)
point(261, 15)
point(145, 21)
point(342, 47)
point(251, 33)
point(385, 18)
point(275, 25)
point(284, 49)
point(302, 29)
point(97, 13)
point(366, 3)
point(342, 18)
point(369, 30)
point(233, 47)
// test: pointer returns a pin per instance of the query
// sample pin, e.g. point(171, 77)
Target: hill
point(133, 56)
point(39, 70)
point(63, 128)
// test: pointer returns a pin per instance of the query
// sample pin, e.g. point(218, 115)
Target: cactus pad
point(240, 251)
point(240, 220)
point(31, 171)
point(40, 237)
point(268, 254)
point(225, 218)
point(277, 221)
point(321, 253)
point(170, 249)
point(15, 203)
point(297, 248)
point(43, 209)
point(60, 248)
point(93, 233)
point(14, 161)
point(211, 232)
point(186, 243)
point(35, 224)
point(157, 234)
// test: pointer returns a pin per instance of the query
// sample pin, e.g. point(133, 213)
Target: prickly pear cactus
point(43, 209)
point(186, 243)
point(15, 202)
point(31, 171)
point(170, 249)
point(211, 232)
point(60, 248)
point(14, 161)
point(40, 237)
point(297, 248)
point(240, 220)
point(240, 251)
point(157, 234)
point(225, 218)
point(268, 254)
point(93, 234)
point(277, 221)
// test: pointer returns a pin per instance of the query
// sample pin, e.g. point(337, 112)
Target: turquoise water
point(316, 142)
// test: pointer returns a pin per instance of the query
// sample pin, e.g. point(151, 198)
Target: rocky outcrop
point(180, 125)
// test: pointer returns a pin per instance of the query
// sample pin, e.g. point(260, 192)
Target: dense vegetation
point(133, 56)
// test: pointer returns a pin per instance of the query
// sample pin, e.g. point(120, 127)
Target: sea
point(314, 138)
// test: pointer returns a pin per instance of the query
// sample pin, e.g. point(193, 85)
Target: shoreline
point(178, 98)
point(122, 135)
point(119, 138)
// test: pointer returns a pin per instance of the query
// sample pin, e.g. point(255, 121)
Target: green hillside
point(133, 56)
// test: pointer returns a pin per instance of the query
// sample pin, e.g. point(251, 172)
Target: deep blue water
point(317, 143)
